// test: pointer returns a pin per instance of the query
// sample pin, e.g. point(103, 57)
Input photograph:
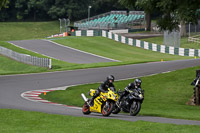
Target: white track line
point(34, 51)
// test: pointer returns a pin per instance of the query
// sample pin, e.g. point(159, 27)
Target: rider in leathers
point(103, 87)
point(136, 84)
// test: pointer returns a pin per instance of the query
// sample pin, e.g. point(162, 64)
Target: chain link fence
point(172, 38)
point(193, 32)
point(32, 60)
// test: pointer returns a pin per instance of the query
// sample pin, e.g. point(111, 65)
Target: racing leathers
point(102, 88)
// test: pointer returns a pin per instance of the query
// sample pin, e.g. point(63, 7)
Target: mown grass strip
point(27, 30)
point(17, 121)
point(9, 66)
point(115, 50)
point(100, 46)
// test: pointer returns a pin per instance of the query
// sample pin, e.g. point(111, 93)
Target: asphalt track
point(12, 86)
point(57, 51)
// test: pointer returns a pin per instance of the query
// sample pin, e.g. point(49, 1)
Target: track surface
point(12, 87)
point(60, 52)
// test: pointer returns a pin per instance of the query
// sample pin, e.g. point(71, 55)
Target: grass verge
point(96, 45)
point(17, 121)
point(27, 30)
point(9, 66)
point(115, 50)
point(166, 94)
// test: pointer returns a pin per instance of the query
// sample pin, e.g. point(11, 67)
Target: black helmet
point(138, 82)
point(111, 77)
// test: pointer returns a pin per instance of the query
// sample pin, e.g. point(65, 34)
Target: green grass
point(183, 44)
point(116, 50)
point(97, 45)
point(27, 30)
point(166, 94)
point(17, 121)
point(9, 66)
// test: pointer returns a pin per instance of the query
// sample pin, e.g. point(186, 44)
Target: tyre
point(86, 109)
point(116, 110)
point(135, 108)
point(107, 108)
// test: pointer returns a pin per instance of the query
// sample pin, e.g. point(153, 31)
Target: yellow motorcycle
point(104, 103)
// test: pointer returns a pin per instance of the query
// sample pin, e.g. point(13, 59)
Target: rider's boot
point(91, 103)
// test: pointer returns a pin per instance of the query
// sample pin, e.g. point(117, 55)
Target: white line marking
point(166, 72)
point(82, 51)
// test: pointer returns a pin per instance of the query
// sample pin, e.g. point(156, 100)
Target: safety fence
point(139, 43)
point(27, 59)
point(152, 46)
point(87, 33)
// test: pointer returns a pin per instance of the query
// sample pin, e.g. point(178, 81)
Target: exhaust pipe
point(84, 97)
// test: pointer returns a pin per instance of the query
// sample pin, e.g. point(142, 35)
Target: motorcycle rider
point(103, 87)
point(131, 86)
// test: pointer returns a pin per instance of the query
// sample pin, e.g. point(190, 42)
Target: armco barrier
point(152, 46)
point(32, 60)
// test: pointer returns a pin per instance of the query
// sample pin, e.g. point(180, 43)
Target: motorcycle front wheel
point(116, 110)
point(135, 108)
point(107, 108)
point(86, 109)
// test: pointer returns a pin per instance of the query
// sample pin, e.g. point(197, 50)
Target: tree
point(176, 13)
point(172, 13)
point(34, 6)
point(21, 6)
point(103, 6)
point(3, 3)
point(146, 5)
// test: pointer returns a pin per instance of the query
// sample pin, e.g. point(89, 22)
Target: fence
point(152, 46)
point(172, 38)
point(87, 33)
point(32, 60)
point(138, 43)
point(195, 39)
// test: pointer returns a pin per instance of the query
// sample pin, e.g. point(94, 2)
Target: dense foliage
point(170, 13)
point(3, 3)
point(36, 10)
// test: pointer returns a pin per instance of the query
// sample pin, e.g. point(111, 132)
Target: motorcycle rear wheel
point(86, 109)
point(135, 108)
point(106, 111)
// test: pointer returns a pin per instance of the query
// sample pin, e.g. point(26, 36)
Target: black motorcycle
point(131, 103)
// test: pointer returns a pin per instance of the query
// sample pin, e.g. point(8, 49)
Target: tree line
point(170, 13)
point(37, 10)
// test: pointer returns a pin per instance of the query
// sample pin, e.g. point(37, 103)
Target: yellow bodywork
point(102, 98)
